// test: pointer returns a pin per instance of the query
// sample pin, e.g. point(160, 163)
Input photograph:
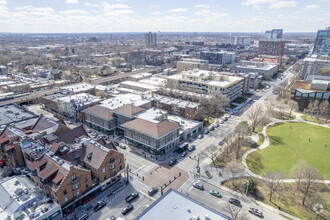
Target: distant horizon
point(143, 32)
point(123, 16)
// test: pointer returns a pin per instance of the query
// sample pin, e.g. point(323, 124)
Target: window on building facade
point(66, 199)
point(78, 193)
point(77, 186)
point(64, 192)
point(119, 161)
point(86, 179)
point(72, 188)
point(105, 177)
point(74, 177)
point(103, 170)
point(86, 185)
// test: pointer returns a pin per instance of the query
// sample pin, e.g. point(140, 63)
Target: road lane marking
point(147, 195)
point(190, 188)
point(139, 168)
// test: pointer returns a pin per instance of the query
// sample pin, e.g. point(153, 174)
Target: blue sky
point(51, 16)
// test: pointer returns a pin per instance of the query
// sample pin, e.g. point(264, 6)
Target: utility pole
point(198, 169)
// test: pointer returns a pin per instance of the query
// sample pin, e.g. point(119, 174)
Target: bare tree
point(211, 152)
point(293, 105)
point(273, 182)
point(234, 169)
point(310, 175)
point(256, 115)
point(235, 212)
point(242, 131)
point(297, 171)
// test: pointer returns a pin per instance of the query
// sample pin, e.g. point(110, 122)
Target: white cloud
point(74, 12)
point(91, 5)
point(271, 3)
point(176, 10)
point(3, 2)
point(117, 6)
point(311, 7)
point(118, 10)
point(283, 4)
point(202, 6)
point(156, 13)
point(72, 1)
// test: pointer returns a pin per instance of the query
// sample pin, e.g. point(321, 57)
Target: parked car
point(215, 193)
point(198, 186)
point(217, 125)
point(255, 212)
point(132, 196)
point(235, 201)
point(192, 147)
point(99, 205)
point(116, 143)
point(111, 218)
point(127, 209)
point(184, 154)
point(122, 147)
point(152, 191)
point(172, 162)
point(200, 136)
point(212, 128)
point(206, 132)
point(83, 217)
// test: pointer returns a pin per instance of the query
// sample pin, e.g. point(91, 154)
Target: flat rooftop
point(141, 75)
point(173, 101)
point(141, 85)
point(79, 87)
point(14, 113)
point(81, 98)
point(156, 81)
point(124, 99)
point(176, 206)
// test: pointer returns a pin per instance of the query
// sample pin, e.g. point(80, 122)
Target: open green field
point(289, 142)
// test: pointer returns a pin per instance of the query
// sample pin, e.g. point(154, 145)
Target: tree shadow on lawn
point(276, 140)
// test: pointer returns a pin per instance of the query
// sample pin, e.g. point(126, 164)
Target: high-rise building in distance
point(240, 40)
point(274, 34)
point(219, 58)
point(271, 47)
point(322, 42)
point(150, 40)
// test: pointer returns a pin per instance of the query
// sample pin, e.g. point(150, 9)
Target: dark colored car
point(172, 162)
point(127, 209)
point(152, 191)
point(198, 186)
point(99, 205)
point(235, 201)
point(116, 143)
point(212, 128)
point(132, 196)
point(122, 147)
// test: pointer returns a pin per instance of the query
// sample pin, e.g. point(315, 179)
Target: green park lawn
point(289, 142)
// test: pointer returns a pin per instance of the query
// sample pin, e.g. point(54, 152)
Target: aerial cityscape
point(164, 110)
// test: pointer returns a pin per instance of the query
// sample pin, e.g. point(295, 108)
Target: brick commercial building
point(190, 64)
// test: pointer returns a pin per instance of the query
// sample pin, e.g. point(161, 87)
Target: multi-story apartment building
point(274, 34)
point(219, 58)
point(178, 107)
point(273, 47)
point(105, 162)
point(60, 180)
point(312, 65)
point(150, 40)
point(240, 40)
point(206, 82)
point(191, 64)
point(154, 137)
point(71, 105)
point(322, 42)
point(265, 69)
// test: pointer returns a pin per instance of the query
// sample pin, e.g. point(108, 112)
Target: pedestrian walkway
point(266, 144)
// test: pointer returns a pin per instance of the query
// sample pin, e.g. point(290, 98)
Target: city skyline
point(83, 16)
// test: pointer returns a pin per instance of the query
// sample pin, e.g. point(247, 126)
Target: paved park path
point(267, 142)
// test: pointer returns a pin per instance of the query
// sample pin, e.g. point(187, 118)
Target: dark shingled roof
point(99, 111)
point(153, 129)
point(43, 123)
point(68, 137)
